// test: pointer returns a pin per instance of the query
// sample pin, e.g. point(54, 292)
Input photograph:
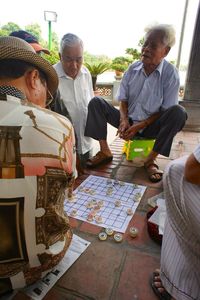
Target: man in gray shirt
point(148, 97)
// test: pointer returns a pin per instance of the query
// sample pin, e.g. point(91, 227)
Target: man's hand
point(124, 125)
point(130, 132)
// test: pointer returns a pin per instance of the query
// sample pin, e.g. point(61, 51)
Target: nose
point(74, 64)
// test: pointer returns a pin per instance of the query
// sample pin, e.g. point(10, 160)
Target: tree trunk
point(94, 80)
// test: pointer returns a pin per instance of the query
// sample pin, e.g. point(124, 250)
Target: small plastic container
point(137, 148)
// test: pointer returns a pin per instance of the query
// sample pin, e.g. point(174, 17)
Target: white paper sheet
point(159, 215)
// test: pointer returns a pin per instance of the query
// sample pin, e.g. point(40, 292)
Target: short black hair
point(14, 68)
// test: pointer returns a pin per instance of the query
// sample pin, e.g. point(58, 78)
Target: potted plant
point(119, 69)
point(97, 69)
point(119, 65)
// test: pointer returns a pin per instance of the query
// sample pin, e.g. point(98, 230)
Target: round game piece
point(137, 197)
point(72, 198)
point(89, 204)
point(118, 237)
point(98, 219)
point(73, 213)
point(133, 232)
point(117, 203)
point(109, 231)
point(94, 201)
point(93, 212)
point(97, 207)
point(129, 212)
point(90, 218)
point(102, 236)
point(101, 203)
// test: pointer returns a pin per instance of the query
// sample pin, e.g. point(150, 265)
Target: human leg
point(163, 130)
point(100, 112)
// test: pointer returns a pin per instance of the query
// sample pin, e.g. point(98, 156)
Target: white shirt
point(76, 94)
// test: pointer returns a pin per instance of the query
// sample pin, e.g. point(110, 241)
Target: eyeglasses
point(69, 59)
point(49, 98)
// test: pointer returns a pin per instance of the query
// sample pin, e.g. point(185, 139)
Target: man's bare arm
point(192, 170)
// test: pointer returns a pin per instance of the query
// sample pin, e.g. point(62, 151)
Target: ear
point(32, 78)
point(167, 49)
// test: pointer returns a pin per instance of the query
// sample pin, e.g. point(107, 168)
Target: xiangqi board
point(105, 202)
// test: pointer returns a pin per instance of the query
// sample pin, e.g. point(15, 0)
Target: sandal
point(98, 159)
point(162, 295)
point(153, 170)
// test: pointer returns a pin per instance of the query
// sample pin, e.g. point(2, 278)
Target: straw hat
point(15, 48)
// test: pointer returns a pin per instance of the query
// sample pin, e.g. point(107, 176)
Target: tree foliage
point(134, 53)
point(121, 63)
point(53, 58)
point(35, 30)
point(96, 69)
point(95, 59)
point(8, 28)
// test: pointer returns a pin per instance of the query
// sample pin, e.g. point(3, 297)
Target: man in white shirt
point(75, 86)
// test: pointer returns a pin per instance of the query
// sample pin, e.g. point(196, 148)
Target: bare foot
point(158, 288)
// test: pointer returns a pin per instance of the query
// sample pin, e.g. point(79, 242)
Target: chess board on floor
point(105, 202)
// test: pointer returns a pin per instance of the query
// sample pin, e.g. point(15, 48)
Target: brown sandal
point(152, 170)
point(98, 159)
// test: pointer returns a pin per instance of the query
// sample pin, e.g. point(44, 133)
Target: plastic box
point(137, 148)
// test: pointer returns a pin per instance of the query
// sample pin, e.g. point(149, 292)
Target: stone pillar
point(191, 99)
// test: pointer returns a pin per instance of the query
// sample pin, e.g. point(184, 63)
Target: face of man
point(153, 50)
point(72, 59)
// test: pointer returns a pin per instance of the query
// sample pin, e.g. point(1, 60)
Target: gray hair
point(167, 32)
point(70, 40)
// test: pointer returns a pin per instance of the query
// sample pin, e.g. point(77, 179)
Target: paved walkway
point(118, 271)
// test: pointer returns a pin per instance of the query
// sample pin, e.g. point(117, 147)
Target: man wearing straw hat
point(37, 164)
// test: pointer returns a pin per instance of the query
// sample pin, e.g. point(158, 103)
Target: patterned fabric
point(37, 166)
point(12, 91)
point(180, 258)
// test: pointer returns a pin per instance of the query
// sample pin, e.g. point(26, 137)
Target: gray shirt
point(147, 95)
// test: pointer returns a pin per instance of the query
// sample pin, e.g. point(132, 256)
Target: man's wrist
point(123, 119)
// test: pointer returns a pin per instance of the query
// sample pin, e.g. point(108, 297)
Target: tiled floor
point(118, 271)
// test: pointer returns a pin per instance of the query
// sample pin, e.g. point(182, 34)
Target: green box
point(138, 148)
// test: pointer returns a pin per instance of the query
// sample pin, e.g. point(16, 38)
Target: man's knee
point(96, 102)
point(178, 112)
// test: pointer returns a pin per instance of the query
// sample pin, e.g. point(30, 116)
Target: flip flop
point(99, 159)
point(161, 295)
point(152, 170)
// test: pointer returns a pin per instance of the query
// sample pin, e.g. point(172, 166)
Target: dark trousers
point(163, 130)
point(83, 158)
